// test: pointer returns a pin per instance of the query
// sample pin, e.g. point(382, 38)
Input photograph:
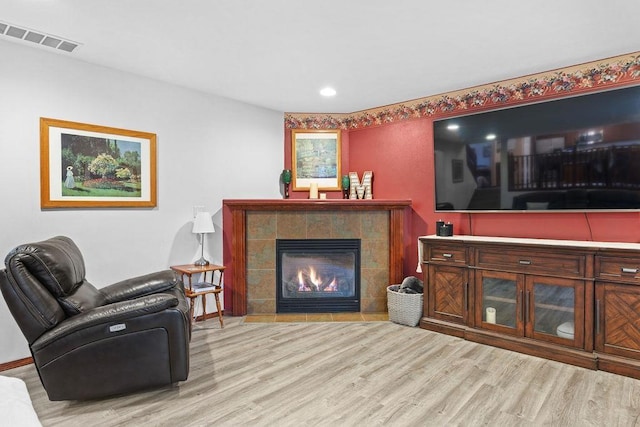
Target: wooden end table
point(203, 287)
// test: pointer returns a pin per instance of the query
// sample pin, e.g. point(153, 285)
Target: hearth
point(317, 275)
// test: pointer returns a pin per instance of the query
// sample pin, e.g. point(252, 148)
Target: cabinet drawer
point(454, 254)
point(554, 263)
point(618, 268)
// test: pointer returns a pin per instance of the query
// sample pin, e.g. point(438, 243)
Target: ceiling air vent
point(37, 37)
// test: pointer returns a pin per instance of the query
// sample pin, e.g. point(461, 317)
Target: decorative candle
point(323, 196)
point(491, 315)
point(313, 190)
point(447, 229)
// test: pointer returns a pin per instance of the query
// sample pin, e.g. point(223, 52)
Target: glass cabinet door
point(500, 295)
point(551, 310)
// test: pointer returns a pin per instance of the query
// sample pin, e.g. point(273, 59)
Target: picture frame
point(91, 166)
point(457, 170)
point(315, 158)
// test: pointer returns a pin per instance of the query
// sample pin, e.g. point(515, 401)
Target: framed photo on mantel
point(315, 158)
point(89, 166)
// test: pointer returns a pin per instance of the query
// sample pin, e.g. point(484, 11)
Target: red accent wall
point(401, 158)
point(402, 165)
point(396, 143)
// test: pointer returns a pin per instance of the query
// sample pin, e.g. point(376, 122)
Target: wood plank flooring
point(355, 374)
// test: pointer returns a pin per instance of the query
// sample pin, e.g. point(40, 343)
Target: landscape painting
point(95, 166)
point(315, 157)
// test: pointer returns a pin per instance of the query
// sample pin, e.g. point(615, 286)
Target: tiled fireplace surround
point(257, 224)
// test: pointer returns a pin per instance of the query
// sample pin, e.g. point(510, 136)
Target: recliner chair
point(89, 343)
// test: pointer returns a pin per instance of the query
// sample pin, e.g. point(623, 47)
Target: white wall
point(209, 149)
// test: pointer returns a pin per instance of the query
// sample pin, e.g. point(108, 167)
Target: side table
point(204, 287)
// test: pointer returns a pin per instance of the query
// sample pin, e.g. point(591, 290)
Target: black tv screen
point(576, 153)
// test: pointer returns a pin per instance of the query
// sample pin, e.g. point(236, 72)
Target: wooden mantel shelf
point(317, 204)
point(235, 241)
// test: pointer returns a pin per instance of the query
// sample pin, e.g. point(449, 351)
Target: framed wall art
point(89, 166)
point(315, 158)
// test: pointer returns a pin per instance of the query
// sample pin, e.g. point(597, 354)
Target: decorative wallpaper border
point(592, 76)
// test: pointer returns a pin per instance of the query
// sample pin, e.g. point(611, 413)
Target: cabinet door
point(554, 310)
point(448, 293)
point(499, 302)
point(617, 320)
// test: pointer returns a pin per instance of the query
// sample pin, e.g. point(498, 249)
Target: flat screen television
point(576, 153)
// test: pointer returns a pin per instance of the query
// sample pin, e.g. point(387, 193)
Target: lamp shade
point(203, 223)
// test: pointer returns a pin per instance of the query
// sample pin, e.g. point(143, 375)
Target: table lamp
point(202, 224)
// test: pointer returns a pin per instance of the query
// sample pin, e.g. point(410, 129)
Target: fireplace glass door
point(317, 275)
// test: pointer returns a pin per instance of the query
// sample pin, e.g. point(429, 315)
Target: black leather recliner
point(89, 343)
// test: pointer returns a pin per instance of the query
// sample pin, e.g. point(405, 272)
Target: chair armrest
point(139, 286)
point(116, 312)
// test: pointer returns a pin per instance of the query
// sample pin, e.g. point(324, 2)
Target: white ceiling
point(279, 53)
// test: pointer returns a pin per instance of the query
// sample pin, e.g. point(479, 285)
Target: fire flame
point(314, 277)
point(309, 280)
point(302, 287)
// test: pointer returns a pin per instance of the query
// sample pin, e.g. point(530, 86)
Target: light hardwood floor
point(355, 374)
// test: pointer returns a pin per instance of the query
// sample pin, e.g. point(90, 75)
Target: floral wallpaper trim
point(581, 78)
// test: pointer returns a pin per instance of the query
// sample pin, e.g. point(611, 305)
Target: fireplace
point(317, 275)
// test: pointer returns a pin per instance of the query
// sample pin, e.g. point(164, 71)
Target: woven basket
point(405, 309)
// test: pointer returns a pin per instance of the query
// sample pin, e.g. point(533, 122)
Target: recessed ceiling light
point(328, 91)
point(453, 126)
point(490, 137)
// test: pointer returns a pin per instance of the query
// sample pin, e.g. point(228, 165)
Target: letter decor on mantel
point(361, 190)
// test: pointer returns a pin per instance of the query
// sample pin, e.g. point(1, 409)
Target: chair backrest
point(44, 283)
